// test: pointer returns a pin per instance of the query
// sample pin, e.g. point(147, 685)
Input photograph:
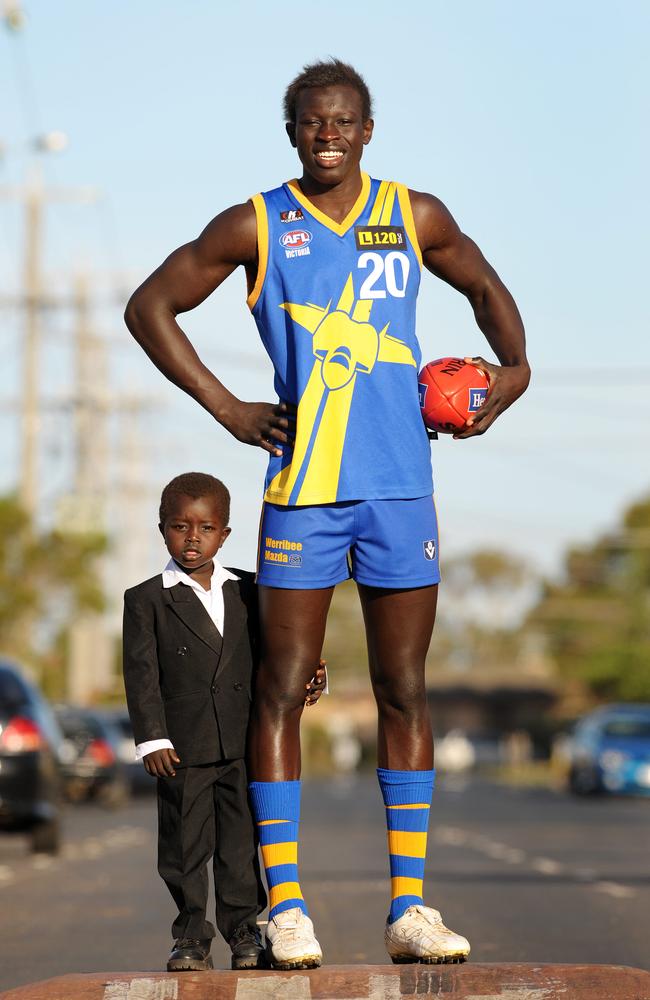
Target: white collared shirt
point(212, 601)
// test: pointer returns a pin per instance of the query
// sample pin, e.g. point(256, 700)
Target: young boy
point(190, 653)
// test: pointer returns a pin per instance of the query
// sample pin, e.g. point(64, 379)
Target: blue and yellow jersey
point(335, 307)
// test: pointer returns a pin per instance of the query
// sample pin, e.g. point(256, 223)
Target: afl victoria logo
point(295, 239)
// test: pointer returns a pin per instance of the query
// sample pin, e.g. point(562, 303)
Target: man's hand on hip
point(266, 425)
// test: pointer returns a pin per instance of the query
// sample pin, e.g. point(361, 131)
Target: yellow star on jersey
point(346, 344)
point(344, 339)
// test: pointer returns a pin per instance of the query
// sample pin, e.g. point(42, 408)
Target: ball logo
point(295, 239)
point(422, 393)
point(476, 399)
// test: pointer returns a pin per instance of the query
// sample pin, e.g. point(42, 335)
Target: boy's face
point(194, 531)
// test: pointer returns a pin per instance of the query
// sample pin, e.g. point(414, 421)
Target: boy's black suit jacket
point(184, 682)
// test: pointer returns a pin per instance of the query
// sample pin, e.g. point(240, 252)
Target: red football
point(450, 391)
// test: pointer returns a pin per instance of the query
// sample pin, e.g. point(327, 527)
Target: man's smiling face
point(329, 132)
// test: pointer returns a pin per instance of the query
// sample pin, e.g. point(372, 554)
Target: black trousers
point(203, 814)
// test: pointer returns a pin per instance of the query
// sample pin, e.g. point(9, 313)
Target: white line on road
point(455, 837)
point(546, 866)
point(43, 861)
point(89, 849)
point(614, 889)
point(6, 875)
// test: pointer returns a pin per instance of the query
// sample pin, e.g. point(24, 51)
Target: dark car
point(30, 778)
point(90, 759)
point(610, 751)
point(138, 778)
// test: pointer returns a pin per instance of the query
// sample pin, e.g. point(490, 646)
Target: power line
point(590, 378)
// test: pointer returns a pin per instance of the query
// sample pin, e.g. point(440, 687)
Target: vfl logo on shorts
point(429, 549)
point(476, 399)
point(295, 242)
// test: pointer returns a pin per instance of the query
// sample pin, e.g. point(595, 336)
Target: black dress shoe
point(247, 948)
point(190, 955)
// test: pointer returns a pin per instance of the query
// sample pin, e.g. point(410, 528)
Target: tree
point(597, 621)
point(45, 581)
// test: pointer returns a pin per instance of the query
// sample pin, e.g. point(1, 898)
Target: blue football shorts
point(381, 543)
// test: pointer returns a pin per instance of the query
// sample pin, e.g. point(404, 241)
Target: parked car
point(30, 777)
point(138, 778)
point(609, 751)
point(90, 760)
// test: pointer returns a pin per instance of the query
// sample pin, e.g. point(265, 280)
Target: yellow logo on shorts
point(282, 550)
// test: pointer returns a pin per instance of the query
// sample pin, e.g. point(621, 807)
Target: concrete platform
point(355, 982)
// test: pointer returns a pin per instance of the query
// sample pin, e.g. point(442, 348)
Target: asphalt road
point(526, 875)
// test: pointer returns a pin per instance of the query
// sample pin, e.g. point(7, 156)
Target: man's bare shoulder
point(231, 236)
point(434, 223)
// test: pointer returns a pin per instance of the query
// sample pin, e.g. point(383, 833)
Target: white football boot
point(290, 941)
point(419, 935)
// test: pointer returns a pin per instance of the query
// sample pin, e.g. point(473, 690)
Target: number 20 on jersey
point(388, 273)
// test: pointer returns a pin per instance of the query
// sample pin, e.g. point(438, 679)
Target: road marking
point(514, 856)
point(501, 852)
point(547, 866)
point(334, 885)
point(43, 861)
point(89, 849)
point(450, 835)
point(142, 989)
point(6, 874)
point(294, 988)
point(455, 837)
point(614, 889)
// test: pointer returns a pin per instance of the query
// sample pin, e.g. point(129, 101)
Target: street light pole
point(31, 350)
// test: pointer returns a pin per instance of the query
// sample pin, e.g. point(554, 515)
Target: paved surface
point(528, 876)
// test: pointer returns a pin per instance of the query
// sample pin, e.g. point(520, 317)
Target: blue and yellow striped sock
point(407, 797)
point(276, 809)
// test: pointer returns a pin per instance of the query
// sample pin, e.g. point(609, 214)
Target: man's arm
point(455, 258)
point(181, 283)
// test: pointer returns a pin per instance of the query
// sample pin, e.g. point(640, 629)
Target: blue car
point(610, 751)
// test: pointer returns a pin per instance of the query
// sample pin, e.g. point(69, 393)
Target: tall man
point(333, 265)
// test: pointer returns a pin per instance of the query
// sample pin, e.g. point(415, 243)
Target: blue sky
point(528, 120)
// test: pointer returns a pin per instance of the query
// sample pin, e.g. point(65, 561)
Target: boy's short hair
point(195, 485)
point(332, 73)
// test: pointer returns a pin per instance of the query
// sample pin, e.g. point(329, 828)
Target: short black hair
point(332, 73)
point(196, 485)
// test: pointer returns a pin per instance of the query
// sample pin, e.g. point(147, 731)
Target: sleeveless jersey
point(334, 304)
